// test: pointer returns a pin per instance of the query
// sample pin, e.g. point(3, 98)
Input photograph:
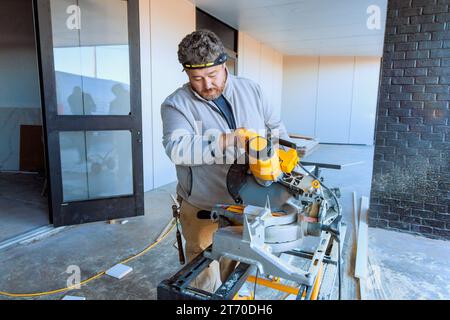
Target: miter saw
point(278, 203)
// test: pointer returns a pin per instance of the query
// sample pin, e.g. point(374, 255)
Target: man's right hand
point(240, 135)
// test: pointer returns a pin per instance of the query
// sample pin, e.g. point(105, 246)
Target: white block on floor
point(119, 271)
point(73, 298)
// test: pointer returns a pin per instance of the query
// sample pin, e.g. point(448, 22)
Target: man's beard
point(213, 93)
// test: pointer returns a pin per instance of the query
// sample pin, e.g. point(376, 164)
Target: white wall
point(262, 64)
point(365, 96)
point(146, 93)
point(334, 99)
point(19, 78)
point(331, 98)
point(163, 26)
point(300, 75)
point(20, 102)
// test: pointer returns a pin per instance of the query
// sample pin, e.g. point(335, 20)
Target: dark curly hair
point(200, 47)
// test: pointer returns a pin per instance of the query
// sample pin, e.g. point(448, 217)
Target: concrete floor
point(97, 246)
point(418, 270)
point(22, 208)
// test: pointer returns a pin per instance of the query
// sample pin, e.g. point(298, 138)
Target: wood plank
point(361, 255)
point(300, 136)
point(362, 245)
point(305, 146)
point(355, 215)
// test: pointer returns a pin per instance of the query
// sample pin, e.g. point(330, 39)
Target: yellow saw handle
point(265, 164)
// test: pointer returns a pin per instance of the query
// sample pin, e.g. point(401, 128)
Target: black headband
point(222, 58)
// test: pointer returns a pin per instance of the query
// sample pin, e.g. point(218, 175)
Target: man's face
point(208, 82)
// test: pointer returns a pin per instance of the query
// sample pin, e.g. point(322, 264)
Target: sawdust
point(415, 174)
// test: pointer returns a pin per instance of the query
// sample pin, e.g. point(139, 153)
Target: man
point(199, 131)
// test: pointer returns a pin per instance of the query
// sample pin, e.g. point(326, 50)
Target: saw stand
point(322, 264)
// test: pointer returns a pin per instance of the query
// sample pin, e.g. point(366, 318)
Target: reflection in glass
point(91, 57)
point(96, 164)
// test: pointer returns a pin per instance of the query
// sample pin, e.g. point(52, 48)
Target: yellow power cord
point(98, 275)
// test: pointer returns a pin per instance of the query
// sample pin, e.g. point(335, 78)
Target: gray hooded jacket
point(191, 126)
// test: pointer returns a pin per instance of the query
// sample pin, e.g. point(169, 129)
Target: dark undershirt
point(226, 111)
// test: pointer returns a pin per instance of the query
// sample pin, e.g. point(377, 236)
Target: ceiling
point(305, 27)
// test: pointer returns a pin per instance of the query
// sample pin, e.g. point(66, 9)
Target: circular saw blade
point(244, 189)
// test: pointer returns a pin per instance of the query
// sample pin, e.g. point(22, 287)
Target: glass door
point(90, 80)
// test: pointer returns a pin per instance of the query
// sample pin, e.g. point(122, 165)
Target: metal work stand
point(177, 287)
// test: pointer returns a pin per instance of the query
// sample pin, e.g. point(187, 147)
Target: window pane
point(110, 163)
point(96, 164)
point(73, 166)
point(231, 64)
point(91, 56)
